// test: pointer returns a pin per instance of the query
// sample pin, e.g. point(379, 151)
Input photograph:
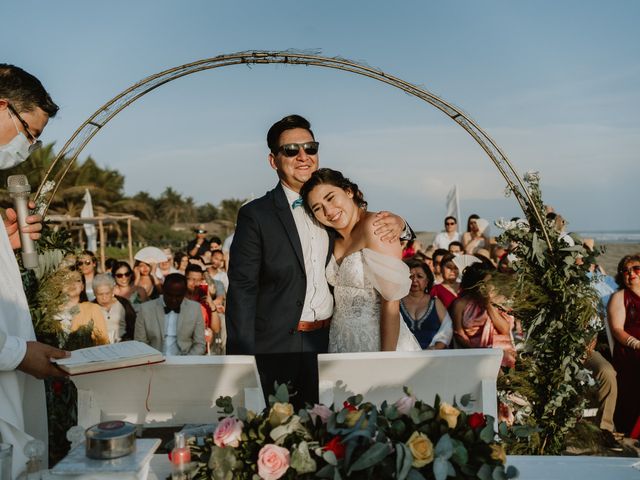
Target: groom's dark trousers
point(267, 286)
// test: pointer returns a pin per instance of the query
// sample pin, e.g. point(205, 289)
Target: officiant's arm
point(391, 227)
point(244, 274)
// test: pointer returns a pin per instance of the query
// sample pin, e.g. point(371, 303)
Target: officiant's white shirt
point(318, 301)
point(23, 411)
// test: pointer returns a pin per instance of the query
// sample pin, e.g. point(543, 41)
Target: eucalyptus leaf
point(484, 473)
point(415, 475)
point(498, 473)
point(403, 461)
point(444, 447)
point(282, 394)
point(487, 434)
point(373, 455)
point(440, 468)
point(512, 472)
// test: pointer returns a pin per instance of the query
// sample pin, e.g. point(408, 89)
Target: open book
point(109, 357)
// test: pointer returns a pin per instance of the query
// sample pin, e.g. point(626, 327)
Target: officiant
point(25, 108)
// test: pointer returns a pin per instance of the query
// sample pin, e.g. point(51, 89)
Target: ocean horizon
point(612, 236)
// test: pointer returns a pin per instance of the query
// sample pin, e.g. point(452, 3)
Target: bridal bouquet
point(404, 440)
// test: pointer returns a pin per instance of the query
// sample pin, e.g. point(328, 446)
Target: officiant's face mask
point(20, 147)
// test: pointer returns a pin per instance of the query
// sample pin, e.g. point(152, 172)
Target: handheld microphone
point(19, 189)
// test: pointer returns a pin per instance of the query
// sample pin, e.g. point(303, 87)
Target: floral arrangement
point(408, 439)
point(554, 300)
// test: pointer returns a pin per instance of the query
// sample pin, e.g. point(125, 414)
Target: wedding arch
point(83, 135)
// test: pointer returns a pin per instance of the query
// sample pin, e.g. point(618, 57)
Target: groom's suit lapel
point(284, 214)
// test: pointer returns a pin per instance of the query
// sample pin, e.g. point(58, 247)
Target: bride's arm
point(389, 324)
point(389, 309)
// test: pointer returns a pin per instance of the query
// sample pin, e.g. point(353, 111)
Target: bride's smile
point(334, 207)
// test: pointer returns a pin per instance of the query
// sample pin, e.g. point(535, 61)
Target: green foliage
point(554, 300)
point(358, 441)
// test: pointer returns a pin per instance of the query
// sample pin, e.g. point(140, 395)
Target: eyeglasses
point(450, 223)
point(292, 149)
point(84, 262)
point(627, 271)
point(123, 275)
point(35, 143)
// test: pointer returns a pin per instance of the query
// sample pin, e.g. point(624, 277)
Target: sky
point(555, 84)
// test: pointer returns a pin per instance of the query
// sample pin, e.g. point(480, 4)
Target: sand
point(609, 260)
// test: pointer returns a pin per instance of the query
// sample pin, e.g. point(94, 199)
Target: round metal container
point(109, 440)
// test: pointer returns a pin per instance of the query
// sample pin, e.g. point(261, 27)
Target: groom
point(279, 305)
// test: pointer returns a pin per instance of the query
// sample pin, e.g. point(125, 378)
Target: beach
point(614, 251)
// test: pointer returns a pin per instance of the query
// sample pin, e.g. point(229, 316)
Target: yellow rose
point(421, 448)
point(353, 417)
point(279, 413)
point(449, 414)
point(498, 453)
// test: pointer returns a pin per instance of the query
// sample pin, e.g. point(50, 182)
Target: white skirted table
point(531, 467)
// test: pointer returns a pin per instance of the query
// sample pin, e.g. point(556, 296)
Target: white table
point(531, 467)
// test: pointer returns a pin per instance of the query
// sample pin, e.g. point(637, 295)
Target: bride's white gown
point(358, 282)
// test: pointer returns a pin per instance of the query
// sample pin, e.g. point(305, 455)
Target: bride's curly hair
point(326, 176)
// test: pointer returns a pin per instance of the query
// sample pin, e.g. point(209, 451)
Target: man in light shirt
point(171, 323)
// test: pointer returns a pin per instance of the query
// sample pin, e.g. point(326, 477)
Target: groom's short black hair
point(287, 123)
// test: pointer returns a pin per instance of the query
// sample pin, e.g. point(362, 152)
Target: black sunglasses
point(35, 143)
point(292, 149)
point(123, 275)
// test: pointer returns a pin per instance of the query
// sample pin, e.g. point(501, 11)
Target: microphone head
point(18, 184)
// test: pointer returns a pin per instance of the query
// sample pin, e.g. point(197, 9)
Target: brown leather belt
point(311, 326)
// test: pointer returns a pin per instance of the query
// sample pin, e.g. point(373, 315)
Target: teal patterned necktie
point(297, 202)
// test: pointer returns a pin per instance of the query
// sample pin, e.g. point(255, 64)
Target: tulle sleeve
point(389, 275)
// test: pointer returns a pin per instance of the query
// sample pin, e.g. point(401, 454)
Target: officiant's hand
point(11, 224)
point(388, 226)
point(37, 360)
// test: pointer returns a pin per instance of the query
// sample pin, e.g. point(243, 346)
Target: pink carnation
point(228, 433)
point(405, 404)
point(320, 411)
point(505, 413)
point(273, 462)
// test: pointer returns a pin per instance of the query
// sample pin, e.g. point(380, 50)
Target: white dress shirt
point(171, 334)
point(318, 301)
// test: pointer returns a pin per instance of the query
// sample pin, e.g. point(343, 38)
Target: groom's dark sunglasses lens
point(292, 149)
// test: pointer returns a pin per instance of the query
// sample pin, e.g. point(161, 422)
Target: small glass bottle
point(180, 458)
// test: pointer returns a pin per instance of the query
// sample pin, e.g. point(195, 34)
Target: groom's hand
point(388, 226)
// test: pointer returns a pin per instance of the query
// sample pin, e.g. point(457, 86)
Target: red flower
point(348, 406)
point(335, 446)
point(477, 420)
point(56, 386)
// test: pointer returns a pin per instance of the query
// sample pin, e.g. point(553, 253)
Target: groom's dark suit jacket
point(267, 280)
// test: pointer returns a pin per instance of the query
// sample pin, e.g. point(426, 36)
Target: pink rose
point(228, 433)
point(405, 404)
point(273, 462)
point(505, 413)
point(320, 411)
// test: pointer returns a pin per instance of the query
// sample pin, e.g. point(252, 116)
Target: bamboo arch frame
point(104, 114)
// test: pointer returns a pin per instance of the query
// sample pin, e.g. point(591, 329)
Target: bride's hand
point(388, 226)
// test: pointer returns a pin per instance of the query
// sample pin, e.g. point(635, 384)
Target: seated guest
point(215, 243)
point(118, 312)
point(450, 234)
point(171, 323)
point(76, 313)
point(87, 265)
point(478, 319)
point(475, 238)
point(409, 249)
point(624, 320)
point(122, 273)
point(447, 290)
point(217, 270)
point(166, 267)
point(436, 258)
point(145, 277)
point(180, 262)
point(456, 248)
point(198, 291)
point(422, 313)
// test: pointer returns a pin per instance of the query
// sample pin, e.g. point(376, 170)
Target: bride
point(368, 275)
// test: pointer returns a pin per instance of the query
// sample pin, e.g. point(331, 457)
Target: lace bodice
point(359, 281)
